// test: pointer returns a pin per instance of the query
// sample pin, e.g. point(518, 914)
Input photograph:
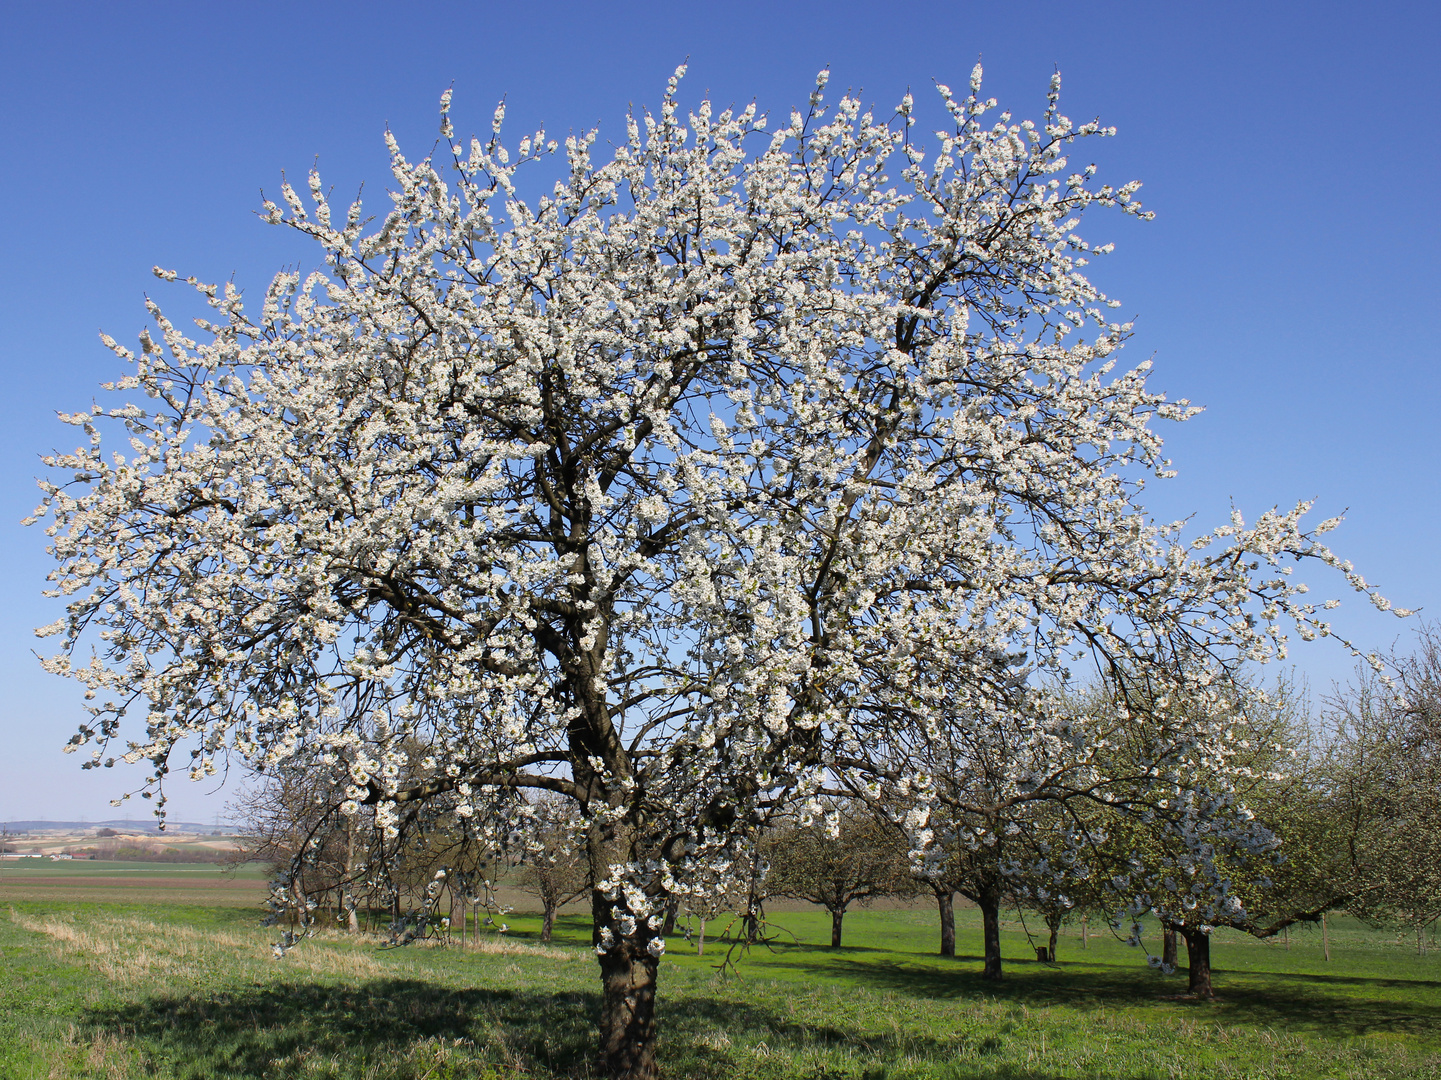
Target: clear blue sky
point(1288, 283)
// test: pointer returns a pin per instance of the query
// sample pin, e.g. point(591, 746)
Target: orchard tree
point(552, 870)
point(286, 820)
point(1020, 782)
point(1383, 798)
point(1239, 838)
point(626, 491)
point(857, 859)
point(944, 872)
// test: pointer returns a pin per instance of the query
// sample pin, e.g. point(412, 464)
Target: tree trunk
point(1198, 961)
point(547, 921)
point(1325, 939)
point(672, 909)
point(628, 984)
point(1168, 946)
point(354, 921)
point(627, 951)
point(1084, 927)
point(700, 939)
point(1055, 932)
point(837, 914)
point(755, 907)
point(990, 904)
point(946, 902)
point(627, 1012)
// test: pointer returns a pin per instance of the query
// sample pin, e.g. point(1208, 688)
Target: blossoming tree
point(620, 492)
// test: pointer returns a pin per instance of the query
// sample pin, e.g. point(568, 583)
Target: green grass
point(190, 993)
point(40, 879)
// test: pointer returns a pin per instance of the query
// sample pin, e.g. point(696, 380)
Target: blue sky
point(1288, 283)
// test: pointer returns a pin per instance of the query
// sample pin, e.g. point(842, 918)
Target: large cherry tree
point(625, 492)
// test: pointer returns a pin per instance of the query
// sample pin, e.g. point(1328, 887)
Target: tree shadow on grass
point(272, 1031)
point(370, 1029)
point(1332, 1004)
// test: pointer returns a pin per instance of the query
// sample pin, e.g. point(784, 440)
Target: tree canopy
point(643, 491)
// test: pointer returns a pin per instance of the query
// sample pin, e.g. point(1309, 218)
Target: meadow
point(129, 982)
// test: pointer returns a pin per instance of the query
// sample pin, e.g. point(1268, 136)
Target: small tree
point(854, 859)
point(553, 870)
point(286, 820)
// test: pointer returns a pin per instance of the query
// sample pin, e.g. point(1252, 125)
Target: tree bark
point(547, 921)
point(1055, 933)
point(990, 904)
point(672, 909)
point(1085, 926)
point(628, 967)
point(1325, 939)
point(837, 914)
point(946, 902)
point(1168, 946)
point(1198, 961)
point(627, 1012)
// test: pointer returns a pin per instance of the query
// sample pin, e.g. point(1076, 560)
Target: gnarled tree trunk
point(945, 900)
point(1198, 959)
point(627, 1008)
point(547, 920)
point(837, 915)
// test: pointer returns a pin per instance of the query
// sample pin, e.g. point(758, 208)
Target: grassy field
point(96, 881)
point(168, 990)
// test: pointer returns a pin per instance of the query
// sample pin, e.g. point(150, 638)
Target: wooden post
point(1325, 939)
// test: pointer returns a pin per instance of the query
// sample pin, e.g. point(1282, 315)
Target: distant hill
point(148, 827)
